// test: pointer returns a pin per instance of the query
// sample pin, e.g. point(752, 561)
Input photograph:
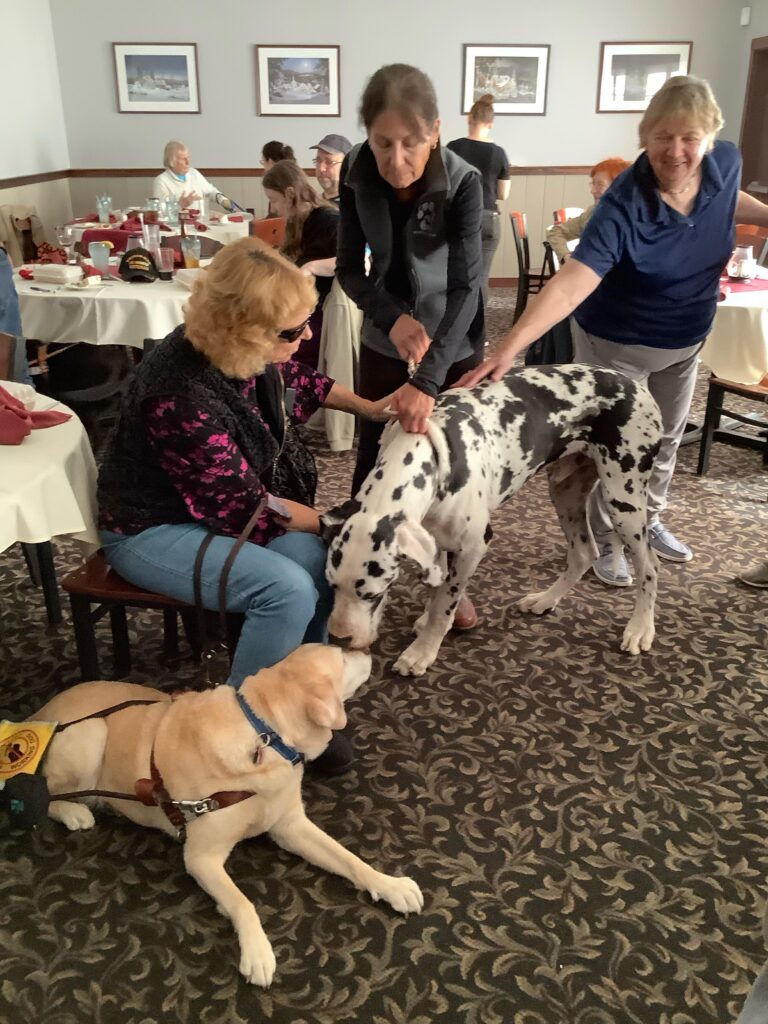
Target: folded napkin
point(235, 218)
point(133, 224)
point(16, 421)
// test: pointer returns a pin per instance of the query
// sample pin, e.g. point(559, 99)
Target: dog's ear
point(415, 543)
point(326, 709)
point(332, 521)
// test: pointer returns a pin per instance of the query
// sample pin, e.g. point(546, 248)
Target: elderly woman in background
point(493, 164)
point(643, 282)
point(181, 181)
point(419, 207)
point(311, 229)
point(600, 178)
point(204, 437)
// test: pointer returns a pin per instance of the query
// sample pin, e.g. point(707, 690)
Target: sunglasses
point(293, 333)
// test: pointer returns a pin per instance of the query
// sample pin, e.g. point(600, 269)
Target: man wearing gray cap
point(331, 151)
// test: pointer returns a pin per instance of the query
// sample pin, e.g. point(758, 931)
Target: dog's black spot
point(488, 534)
point(427, 468)
point(360, 586)
point(374, 568)
point(345, 536)
point(378, 474)
point(408, 458)
point(336, 558)
point(384, 532)
point(397, 494)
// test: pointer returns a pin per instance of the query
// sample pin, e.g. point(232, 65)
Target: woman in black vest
point(418, 207)
point(205, 433)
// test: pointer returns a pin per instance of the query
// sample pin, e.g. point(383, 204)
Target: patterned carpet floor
point(590, 830)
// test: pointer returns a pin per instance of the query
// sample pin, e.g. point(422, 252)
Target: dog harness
point(152, 791)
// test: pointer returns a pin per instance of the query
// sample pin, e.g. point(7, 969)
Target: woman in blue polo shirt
point(644, 282)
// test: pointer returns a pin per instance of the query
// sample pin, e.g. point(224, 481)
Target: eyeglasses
point(322, 161)
point(294, 333)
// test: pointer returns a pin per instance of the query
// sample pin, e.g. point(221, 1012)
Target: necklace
point(679, 191)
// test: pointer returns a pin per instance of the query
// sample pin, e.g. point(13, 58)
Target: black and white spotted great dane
point(434, 493)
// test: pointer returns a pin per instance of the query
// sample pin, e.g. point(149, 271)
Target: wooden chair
point(96, 590)
point(565, 213)
point(269, 229)
point(712, 431)
point(527, 283)
point(757, 237)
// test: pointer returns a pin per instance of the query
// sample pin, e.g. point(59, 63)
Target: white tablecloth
point(737, 348)
point(48, 482)
point(114, 314)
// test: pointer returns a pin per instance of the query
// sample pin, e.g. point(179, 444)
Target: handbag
point(295, 474)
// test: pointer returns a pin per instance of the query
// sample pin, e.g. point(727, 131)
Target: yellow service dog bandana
point(22, 745)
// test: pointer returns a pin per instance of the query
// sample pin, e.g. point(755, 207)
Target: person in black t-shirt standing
point(492, 162)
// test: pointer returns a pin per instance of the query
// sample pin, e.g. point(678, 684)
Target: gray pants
point(670, 376)
point(491, 233)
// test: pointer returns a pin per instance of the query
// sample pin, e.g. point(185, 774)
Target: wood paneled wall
point(536, 191)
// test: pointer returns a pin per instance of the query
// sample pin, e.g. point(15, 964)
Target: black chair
point(712, 431)
point(527, 283)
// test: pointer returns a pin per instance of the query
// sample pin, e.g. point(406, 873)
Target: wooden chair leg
point(33, 566)
point(170, 637)
point(44, 554)
point(85, 638)
point(711, 423)
point(523, 286)
point(120, 642)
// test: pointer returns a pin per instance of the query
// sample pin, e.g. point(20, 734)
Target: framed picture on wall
point(298, 81)
point(156, 78)
point(631, 73)
point(516, 77)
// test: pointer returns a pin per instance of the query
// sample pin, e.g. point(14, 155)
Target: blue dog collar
point(267, 735)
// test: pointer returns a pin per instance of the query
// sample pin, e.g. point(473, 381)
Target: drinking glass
point(172, 211)
point(134, 242)
point(99, 253)
point(190, 250)
point(65, 238)
point(103, 208)
point(164, 259)
point(151, 235)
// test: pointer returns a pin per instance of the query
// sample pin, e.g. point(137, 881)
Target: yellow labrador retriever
point(203, 750)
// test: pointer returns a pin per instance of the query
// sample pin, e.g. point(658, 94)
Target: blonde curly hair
point(247, 296)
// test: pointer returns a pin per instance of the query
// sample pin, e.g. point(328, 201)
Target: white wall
point(732, 100)
point(33, 138)
point(429, 33)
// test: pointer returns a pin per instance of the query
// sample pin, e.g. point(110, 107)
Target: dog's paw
point(536, 604)
point(638, 636)
point(402, 894)
point(74, 816)
point(415, 660)
point(257, 960)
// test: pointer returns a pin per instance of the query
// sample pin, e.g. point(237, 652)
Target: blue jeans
point(280, 588)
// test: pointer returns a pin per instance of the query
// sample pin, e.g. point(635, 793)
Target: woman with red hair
point(600, 178)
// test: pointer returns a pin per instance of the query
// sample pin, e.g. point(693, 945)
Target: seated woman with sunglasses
point(205, 434)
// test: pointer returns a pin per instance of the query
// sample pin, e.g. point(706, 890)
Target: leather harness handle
point(223, 578)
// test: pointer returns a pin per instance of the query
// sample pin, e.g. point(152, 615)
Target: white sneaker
point(666, 545)
point(602, 567)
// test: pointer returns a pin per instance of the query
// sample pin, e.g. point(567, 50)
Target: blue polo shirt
point(659, 269)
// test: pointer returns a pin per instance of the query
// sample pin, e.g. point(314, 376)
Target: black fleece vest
point(133, 487)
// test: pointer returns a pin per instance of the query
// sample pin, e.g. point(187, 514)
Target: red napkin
point(16, 421)
point(235, 218)
point(27, 274)
point(49, 254)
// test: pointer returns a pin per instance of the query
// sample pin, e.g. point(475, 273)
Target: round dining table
point(737, 347)
point(113, 313)
point(48, 489)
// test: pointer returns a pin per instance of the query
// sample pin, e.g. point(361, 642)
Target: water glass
point(164, 259)
point(99, 253)
point(103, 208)
point(65, 238)
point(190, 250)
point(202, 206)
point(134, 242)
point(172, 211)
point(151, 236)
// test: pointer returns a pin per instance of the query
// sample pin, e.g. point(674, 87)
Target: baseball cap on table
point(138, 265)
point(334, 144)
